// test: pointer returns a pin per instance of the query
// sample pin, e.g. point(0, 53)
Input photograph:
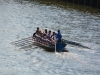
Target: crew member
point(58, 37)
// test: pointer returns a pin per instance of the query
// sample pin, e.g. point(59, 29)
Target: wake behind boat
point(51, 41)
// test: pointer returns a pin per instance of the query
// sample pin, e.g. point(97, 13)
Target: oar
point(55, 47)
point(55, 44)
point(75, 43)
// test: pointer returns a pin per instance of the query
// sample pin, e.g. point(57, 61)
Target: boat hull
point(59, 47)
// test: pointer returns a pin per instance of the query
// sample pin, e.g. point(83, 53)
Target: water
point(19, 56)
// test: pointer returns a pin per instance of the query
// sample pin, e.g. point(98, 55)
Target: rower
point(45, 32)
point(53, 37)
point(49, 34)
point(36, 33)
point(49, 37)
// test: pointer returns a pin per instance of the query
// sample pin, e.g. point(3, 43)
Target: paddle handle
point(55, 47)
point(55, 44)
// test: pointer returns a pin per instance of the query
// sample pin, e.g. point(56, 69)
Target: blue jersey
point(59, 36)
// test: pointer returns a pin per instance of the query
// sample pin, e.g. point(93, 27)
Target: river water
point(19, 56)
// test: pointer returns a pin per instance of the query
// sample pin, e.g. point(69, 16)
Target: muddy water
point(19, 56)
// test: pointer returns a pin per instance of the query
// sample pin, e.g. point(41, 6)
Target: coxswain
point(58, 37)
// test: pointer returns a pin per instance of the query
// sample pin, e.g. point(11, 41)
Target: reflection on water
point(66, 4)
point(79, 23)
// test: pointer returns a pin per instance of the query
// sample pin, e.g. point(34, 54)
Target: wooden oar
point(75, 43)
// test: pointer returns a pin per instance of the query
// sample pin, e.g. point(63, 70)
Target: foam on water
point(19, 56)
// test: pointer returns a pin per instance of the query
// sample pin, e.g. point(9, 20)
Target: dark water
point(80, 22)
point(66, 4)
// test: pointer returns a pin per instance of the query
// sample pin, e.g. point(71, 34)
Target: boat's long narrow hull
point(59, 47)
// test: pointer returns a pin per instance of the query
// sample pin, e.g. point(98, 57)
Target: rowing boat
point(59, 46)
